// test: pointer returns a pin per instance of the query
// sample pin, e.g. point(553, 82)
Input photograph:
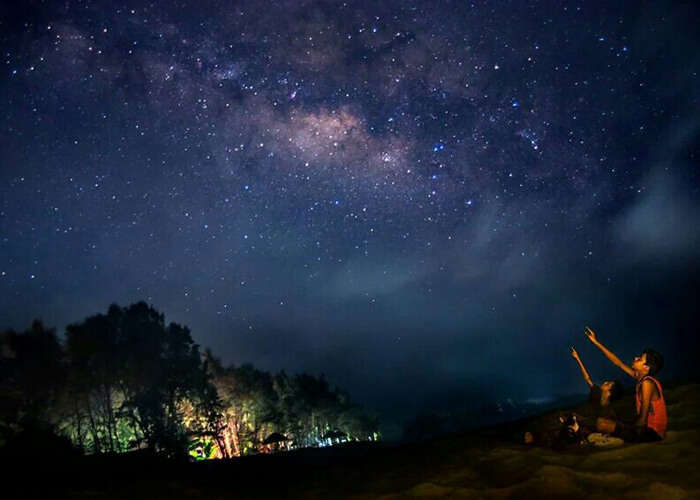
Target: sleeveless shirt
point(657, 419)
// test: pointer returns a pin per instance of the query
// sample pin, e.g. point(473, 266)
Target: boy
point(652, 420)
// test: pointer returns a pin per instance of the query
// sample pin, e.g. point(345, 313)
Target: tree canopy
point(125, 380)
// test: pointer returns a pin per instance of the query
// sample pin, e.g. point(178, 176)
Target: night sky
point(426, 201)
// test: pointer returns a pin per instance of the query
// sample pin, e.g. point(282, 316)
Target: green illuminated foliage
point(205, 449)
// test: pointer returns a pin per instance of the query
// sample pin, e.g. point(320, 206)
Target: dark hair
point(655, 361)
point(616, 391)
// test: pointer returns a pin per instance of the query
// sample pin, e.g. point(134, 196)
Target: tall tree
point(31, 375)
point(137, 378)
point(250, 409)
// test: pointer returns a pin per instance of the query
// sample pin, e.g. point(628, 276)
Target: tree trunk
point(110, 416)
point(97, 448)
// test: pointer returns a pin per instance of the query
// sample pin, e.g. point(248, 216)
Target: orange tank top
point(656, 419)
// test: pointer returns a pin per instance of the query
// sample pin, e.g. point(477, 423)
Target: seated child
point(575, 427)
point(599, 399)
point(652, 419)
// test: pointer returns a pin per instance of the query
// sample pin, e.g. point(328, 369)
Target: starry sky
point(426, 201)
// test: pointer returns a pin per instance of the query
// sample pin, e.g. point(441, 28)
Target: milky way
point(423, 200)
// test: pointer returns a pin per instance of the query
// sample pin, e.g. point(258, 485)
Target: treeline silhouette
point(125, 381)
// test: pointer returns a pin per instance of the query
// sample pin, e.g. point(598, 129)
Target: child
point(652, 420)
point(600, 396)
point(574, 428)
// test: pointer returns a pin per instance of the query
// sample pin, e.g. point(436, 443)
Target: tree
point(249, 407)
point(136, 379)
point(95, 375)
point(32, 373)
point(127, 380)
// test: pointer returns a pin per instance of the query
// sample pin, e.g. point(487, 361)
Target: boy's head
point(613, 388)
point(650, 362)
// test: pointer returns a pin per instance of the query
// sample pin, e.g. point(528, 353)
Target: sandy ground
point(488, 466)
point(665, 470)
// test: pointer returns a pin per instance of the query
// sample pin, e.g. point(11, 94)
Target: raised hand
point(573, 352)
point(590, 334)
point(608, 353)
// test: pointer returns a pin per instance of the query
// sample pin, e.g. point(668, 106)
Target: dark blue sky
point(426, 201)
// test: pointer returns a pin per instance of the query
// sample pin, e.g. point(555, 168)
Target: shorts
point(635, 434)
